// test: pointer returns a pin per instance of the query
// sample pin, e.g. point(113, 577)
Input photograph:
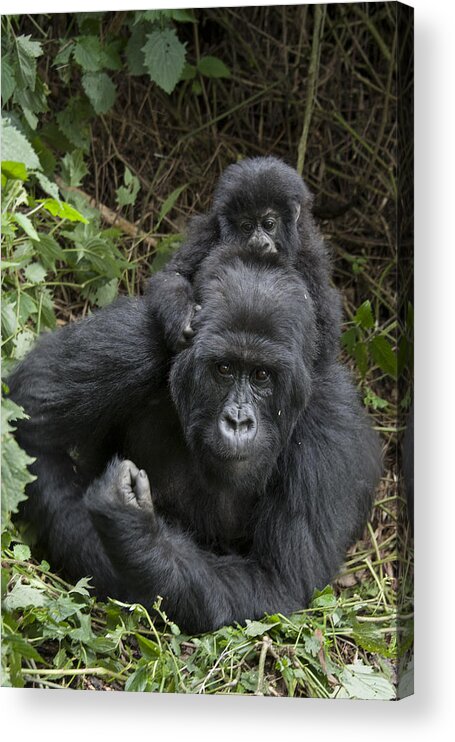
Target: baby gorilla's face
point(263, 228)
point(259, 231)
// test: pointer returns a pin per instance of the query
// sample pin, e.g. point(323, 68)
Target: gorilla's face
point(237, 409)
point(241, 385)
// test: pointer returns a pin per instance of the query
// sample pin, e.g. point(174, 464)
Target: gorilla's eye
point(247, 227)
point(261, 375)
point(224, 369)
point(269, 224)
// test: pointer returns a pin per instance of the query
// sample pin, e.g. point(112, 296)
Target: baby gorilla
point(262, 207)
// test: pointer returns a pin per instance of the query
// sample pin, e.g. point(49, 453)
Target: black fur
point(261, 461)
point(247, 190)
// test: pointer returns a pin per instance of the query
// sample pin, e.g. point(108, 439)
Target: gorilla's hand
point(131, 487)
point(122, 488)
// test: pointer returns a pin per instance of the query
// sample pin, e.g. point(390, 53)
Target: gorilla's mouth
point(219, 453)
point(231, 456)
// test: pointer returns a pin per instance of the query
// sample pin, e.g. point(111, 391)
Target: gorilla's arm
point(201, 590)
point(79, 382)
point(77, 385)
point(58, 521)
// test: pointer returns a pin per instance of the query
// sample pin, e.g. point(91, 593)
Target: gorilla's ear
point(303, 200)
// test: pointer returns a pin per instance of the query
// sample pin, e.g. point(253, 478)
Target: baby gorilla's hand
point(188, 331)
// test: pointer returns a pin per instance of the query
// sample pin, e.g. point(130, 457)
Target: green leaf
point(324, 598)
point(106, 294)
point(361, 357)
point(164, 251)
point(74, 168)
point(364, 316)
point(133, 50)
point(26, 225)
point(258, 628)
point(8, 81)
point(349, 339)
point(23, 343)
point(73, 122)
point(169, 203)
point(164, 57)
point(27, 51)
point(361, 682)
point(249, 680)
point(14, 170)
point(22, 552)
point(49, 251)
point(383, 355)
point(16, 148)
point(213, 67)
point(62, 210)
point(35, 101)
point(89, 22)
point(126, 195)
point(100, 91)
point(46, 305)
point(139, 679)
point(9, 319)
point(47, 185)
point(313, 644)
point(35, 273)
point(84, 632)
point(150, 650)
point(88, 53)
point(152, 16)
point(110, 55)
point(26, 305)
point(372, 400)
point(63, 55)
point(15, 475)
point(22, 647)
point(189, 72)
point(183, 16)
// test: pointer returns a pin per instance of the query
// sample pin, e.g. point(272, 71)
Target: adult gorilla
point(253, 468)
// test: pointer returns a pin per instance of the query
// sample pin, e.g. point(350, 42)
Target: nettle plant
point(49, 241)
point(136, 43)
point(371, 349)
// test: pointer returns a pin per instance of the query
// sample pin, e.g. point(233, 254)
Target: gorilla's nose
point(238, 424)
point(262, 244)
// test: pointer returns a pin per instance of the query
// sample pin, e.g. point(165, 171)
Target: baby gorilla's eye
point(224, 369)
point(269, 224)
point(261, 375)
point(247, 227)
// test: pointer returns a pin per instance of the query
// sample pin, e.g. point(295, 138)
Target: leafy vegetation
point(114, 128)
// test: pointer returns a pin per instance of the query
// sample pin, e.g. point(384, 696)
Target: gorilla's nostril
point(238, 424)
point(245, 425)
point(230, 422)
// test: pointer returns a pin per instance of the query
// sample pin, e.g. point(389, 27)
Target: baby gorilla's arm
point(170, 300)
